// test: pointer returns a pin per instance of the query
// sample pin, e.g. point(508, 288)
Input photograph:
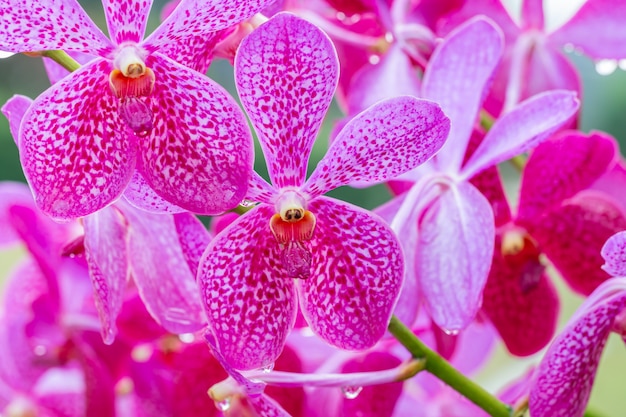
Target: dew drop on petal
point(223, 405)
point(351, 392)
point(187, 337)
point(451, 332)
point(268, 368)
point(297, 260)
point(246, 203)
point(341, 16)
point(374, 59)
point(606, 66)
point(40, 350)
point(136, 114)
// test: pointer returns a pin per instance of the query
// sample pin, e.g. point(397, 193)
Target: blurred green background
point(604, 107)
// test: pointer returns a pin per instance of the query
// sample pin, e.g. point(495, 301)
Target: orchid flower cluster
point(294, 303)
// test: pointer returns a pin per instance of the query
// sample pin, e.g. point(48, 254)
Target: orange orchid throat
point(292, 227)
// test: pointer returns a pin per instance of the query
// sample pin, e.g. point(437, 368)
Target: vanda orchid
point(123, 299)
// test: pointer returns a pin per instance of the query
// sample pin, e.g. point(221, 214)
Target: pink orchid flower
point(136, 106)
point(445, 224)
point(559, 215)
point(565, 376)
point(348, 262)
point(534, 59)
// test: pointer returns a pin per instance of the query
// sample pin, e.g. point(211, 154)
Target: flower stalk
point(63, 59)
point(443, 370)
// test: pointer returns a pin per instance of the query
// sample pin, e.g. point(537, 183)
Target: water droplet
point(374, 59)
point(606, 66)
point(351, 392)
point(246, 203)
point(223, 405)
point(451, 332)
point(187, 337)
point(267, 368)
point(389, 37)
point(341, 16)
point(40, 350)
point(569, 48)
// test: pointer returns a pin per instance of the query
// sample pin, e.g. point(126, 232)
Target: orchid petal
point(56, 72)
point(14, 110)
point(567, 371)
point(76, 152)
point(199, 153)
point(596, 29)
point(454, 252)
point(547, 180)
point(267, 407)
point(529, 124)
point(394, 76)
point(614, 254)
point(161, 272)
point(31, 25)
point(248, 296)
point(260, 191)
point(12, 194)
point(192, 25)
point(493, 9)
point(532, 14)
point(388, 139)
point(521, 302)
point(193, 237)
point(489, 183)
point(105, 250)
point(549, 70)
point(140, 195)
point(356, 275)
point(612, 183)
point(126, 19)
point(286, 73)
point(573, 234)
point(456, 77)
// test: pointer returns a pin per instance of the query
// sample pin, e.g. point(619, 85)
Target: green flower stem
point(442, 369)
point(63, 59)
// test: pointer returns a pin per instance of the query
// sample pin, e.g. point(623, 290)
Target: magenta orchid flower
point(344, 263)
point(565, 376)
point(444, 223)
point(534, 60)
point(135, 106)
point(561, 217)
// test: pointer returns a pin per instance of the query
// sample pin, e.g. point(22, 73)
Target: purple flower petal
point(105, 250)
point(32, 25)
point(388, 139)
point(14, 110)
point(548, 70)
point(140, 195)
point(573, 234)
point(614, 254)
point(286, 73)
point(192, 25)
point(126, 19)
point(260, 191)
point(493, 9)
point(193, 237)
point(521, 302)
point(357, 271)
point(456, 77)
point(597, 29)
point(161, 272)
point(567, 371)
point(267, 407)
point(56, 72)
point(454, 254)
point(12, 194)
point(529, 124)
point(199, 153)
point(249, 299)
point(532, 14)
point(394, 76)
point(76, 152)
point(547, 180)
point(489, 183)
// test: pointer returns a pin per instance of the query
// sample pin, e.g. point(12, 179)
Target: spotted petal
point(286, 73)
point(14, 110)
point(526, 126)
point(126, 19)
point(161, 273)
point(567, 371)
point(388, 139)
point(32, 25)
point(456, 78)
point(105, 250)
point(193, 237)
point(248, 296)
point(614, 254)
point(139, 194)
point(198, 155)
point(76, 152)
point(454, 255)
point(356, 274)
point(548, 180)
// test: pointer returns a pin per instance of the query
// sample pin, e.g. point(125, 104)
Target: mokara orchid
point(344, 262)
point(534, 60)
point(444, 223)
point(135, 106)
point(559, 215)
